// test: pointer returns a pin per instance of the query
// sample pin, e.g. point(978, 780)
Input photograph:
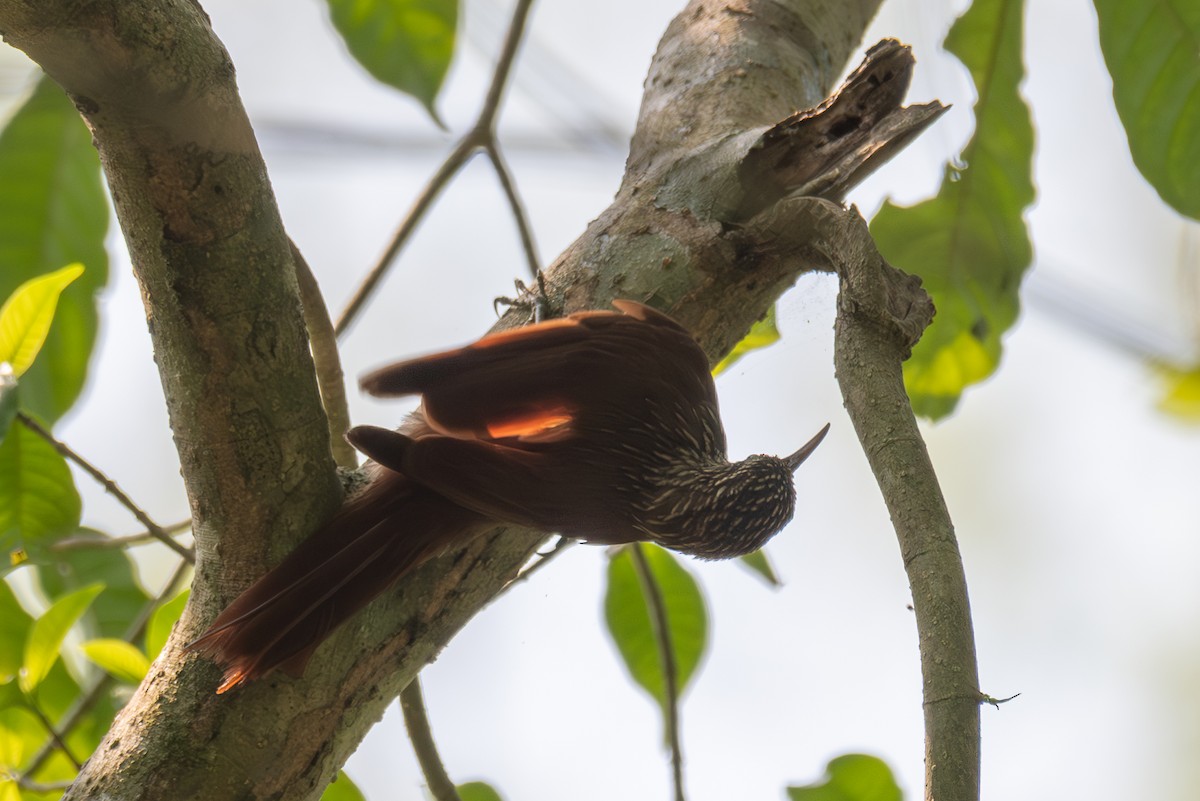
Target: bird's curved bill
point(797, 458)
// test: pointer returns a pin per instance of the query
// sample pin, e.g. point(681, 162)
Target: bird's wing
point(535, 384)
point(498, 482)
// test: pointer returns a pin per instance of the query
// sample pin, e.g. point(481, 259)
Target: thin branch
point(327, 364)
point(481, 135)
point(103, 543)
point(84, 704)
point(458, 157)
point(881, 314)
point(518, 208)
point(666, 652)
point(412, 703)
point(153, 528)
point(39, 787)
point(56, 738)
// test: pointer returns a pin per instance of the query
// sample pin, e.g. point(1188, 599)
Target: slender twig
point(84, 704)
point(153, 528)
point(326, 362)
point(56, 738)
point(412, 703)
point(102, 543)
point(528, 245)
point(666, 652)
point(481, 134)
point(39, 787)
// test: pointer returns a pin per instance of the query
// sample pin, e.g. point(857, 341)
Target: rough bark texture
point(881, 315)
point(691, 230)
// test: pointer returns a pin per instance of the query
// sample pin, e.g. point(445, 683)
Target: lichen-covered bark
point(212, 258)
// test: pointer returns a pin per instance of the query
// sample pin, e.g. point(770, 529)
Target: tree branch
point(881, 315)
point(213, 261)
point(412, 703)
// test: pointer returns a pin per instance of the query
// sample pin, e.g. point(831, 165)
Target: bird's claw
point(533, 300)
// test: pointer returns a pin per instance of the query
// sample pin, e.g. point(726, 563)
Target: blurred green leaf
point(48, 632)
point(120, 659)
point(762, 333)
point(14, 631)
point(477, 791)
point(161, 623)
point(123, 596)
point(53, 211)
point(1181, 393)
point(407, 44)
point(26, 316)
point(970, 244)
point(21, 734)
point(853, 777)
point(1150, 47)
point(628, 616)
point(342, 789)
point(38, 500)
point(760, 564)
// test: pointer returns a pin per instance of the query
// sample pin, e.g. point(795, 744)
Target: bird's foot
point(532, 300)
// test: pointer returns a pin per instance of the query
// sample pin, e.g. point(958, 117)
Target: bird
point(601, 426)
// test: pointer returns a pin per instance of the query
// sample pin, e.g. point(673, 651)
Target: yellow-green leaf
point(477, 791)
point(342, 789)
point(1181, 395)
point(627, 612)
point(15, 623)
point(161, 623)
point(48, 632)
point(120, 659)
point(970, 244)
point(852, 777)
point(761, 565)
point(403, 43)
point(26, 316)
point(38, 499)
point(1150, 47)
point(53, 211)
point(762, 333)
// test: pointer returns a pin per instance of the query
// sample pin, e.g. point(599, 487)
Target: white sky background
point(1074, 499)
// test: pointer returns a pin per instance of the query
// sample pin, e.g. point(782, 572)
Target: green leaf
point(628, 616)
point(969, 244)
point(26, 316)
point(21, 735)
point(342, 789)
point(762, 333)
point(477, 791)
point(1181, 393)
point(853, 777)
point(14, 631)
point(161, 623)
point(760, 564)
point(403, 43)
point(38, 500)
point(48, 632)
point(123, 597)
point(122, 661)
point(53, 211)
point(1150, 48)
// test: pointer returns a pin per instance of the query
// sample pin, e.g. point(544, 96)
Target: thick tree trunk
point(697, 229)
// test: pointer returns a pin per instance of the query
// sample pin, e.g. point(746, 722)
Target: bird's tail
point(389, 528)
